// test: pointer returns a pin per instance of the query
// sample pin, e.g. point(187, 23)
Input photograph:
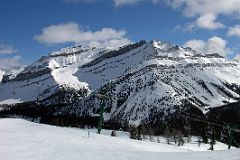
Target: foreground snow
point(20, 139)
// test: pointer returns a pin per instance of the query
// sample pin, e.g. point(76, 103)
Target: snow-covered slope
point(23, 140)
point(142, 79)
point(47, 75)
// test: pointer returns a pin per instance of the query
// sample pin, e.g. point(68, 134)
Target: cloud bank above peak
point(212, 45)
point(10, 62)
point(74, 33)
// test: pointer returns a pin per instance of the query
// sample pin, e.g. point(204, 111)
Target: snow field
point(23, 140)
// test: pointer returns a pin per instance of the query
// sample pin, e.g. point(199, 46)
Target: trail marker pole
point(102, 106)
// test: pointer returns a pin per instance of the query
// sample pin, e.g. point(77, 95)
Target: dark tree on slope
point(135, 132)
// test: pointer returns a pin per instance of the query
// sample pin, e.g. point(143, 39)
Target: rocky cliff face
point(146, 82)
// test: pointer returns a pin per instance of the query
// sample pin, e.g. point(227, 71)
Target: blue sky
point(30, 29)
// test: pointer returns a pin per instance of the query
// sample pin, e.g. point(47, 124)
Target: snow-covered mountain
point(145, 80)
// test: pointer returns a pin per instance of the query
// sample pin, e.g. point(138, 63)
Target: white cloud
point(208, 21)
point(212, 45)
point(206, 11)
point(192, 8)
point(198, 45)
point(72, 32)
point(6, 49)
point(234, 31)
point(8, 63)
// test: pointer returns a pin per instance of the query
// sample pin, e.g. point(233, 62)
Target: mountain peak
point(177, 51)
point(161, 45)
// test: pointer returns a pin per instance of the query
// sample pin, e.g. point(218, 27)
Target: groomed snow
point(23, 140)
